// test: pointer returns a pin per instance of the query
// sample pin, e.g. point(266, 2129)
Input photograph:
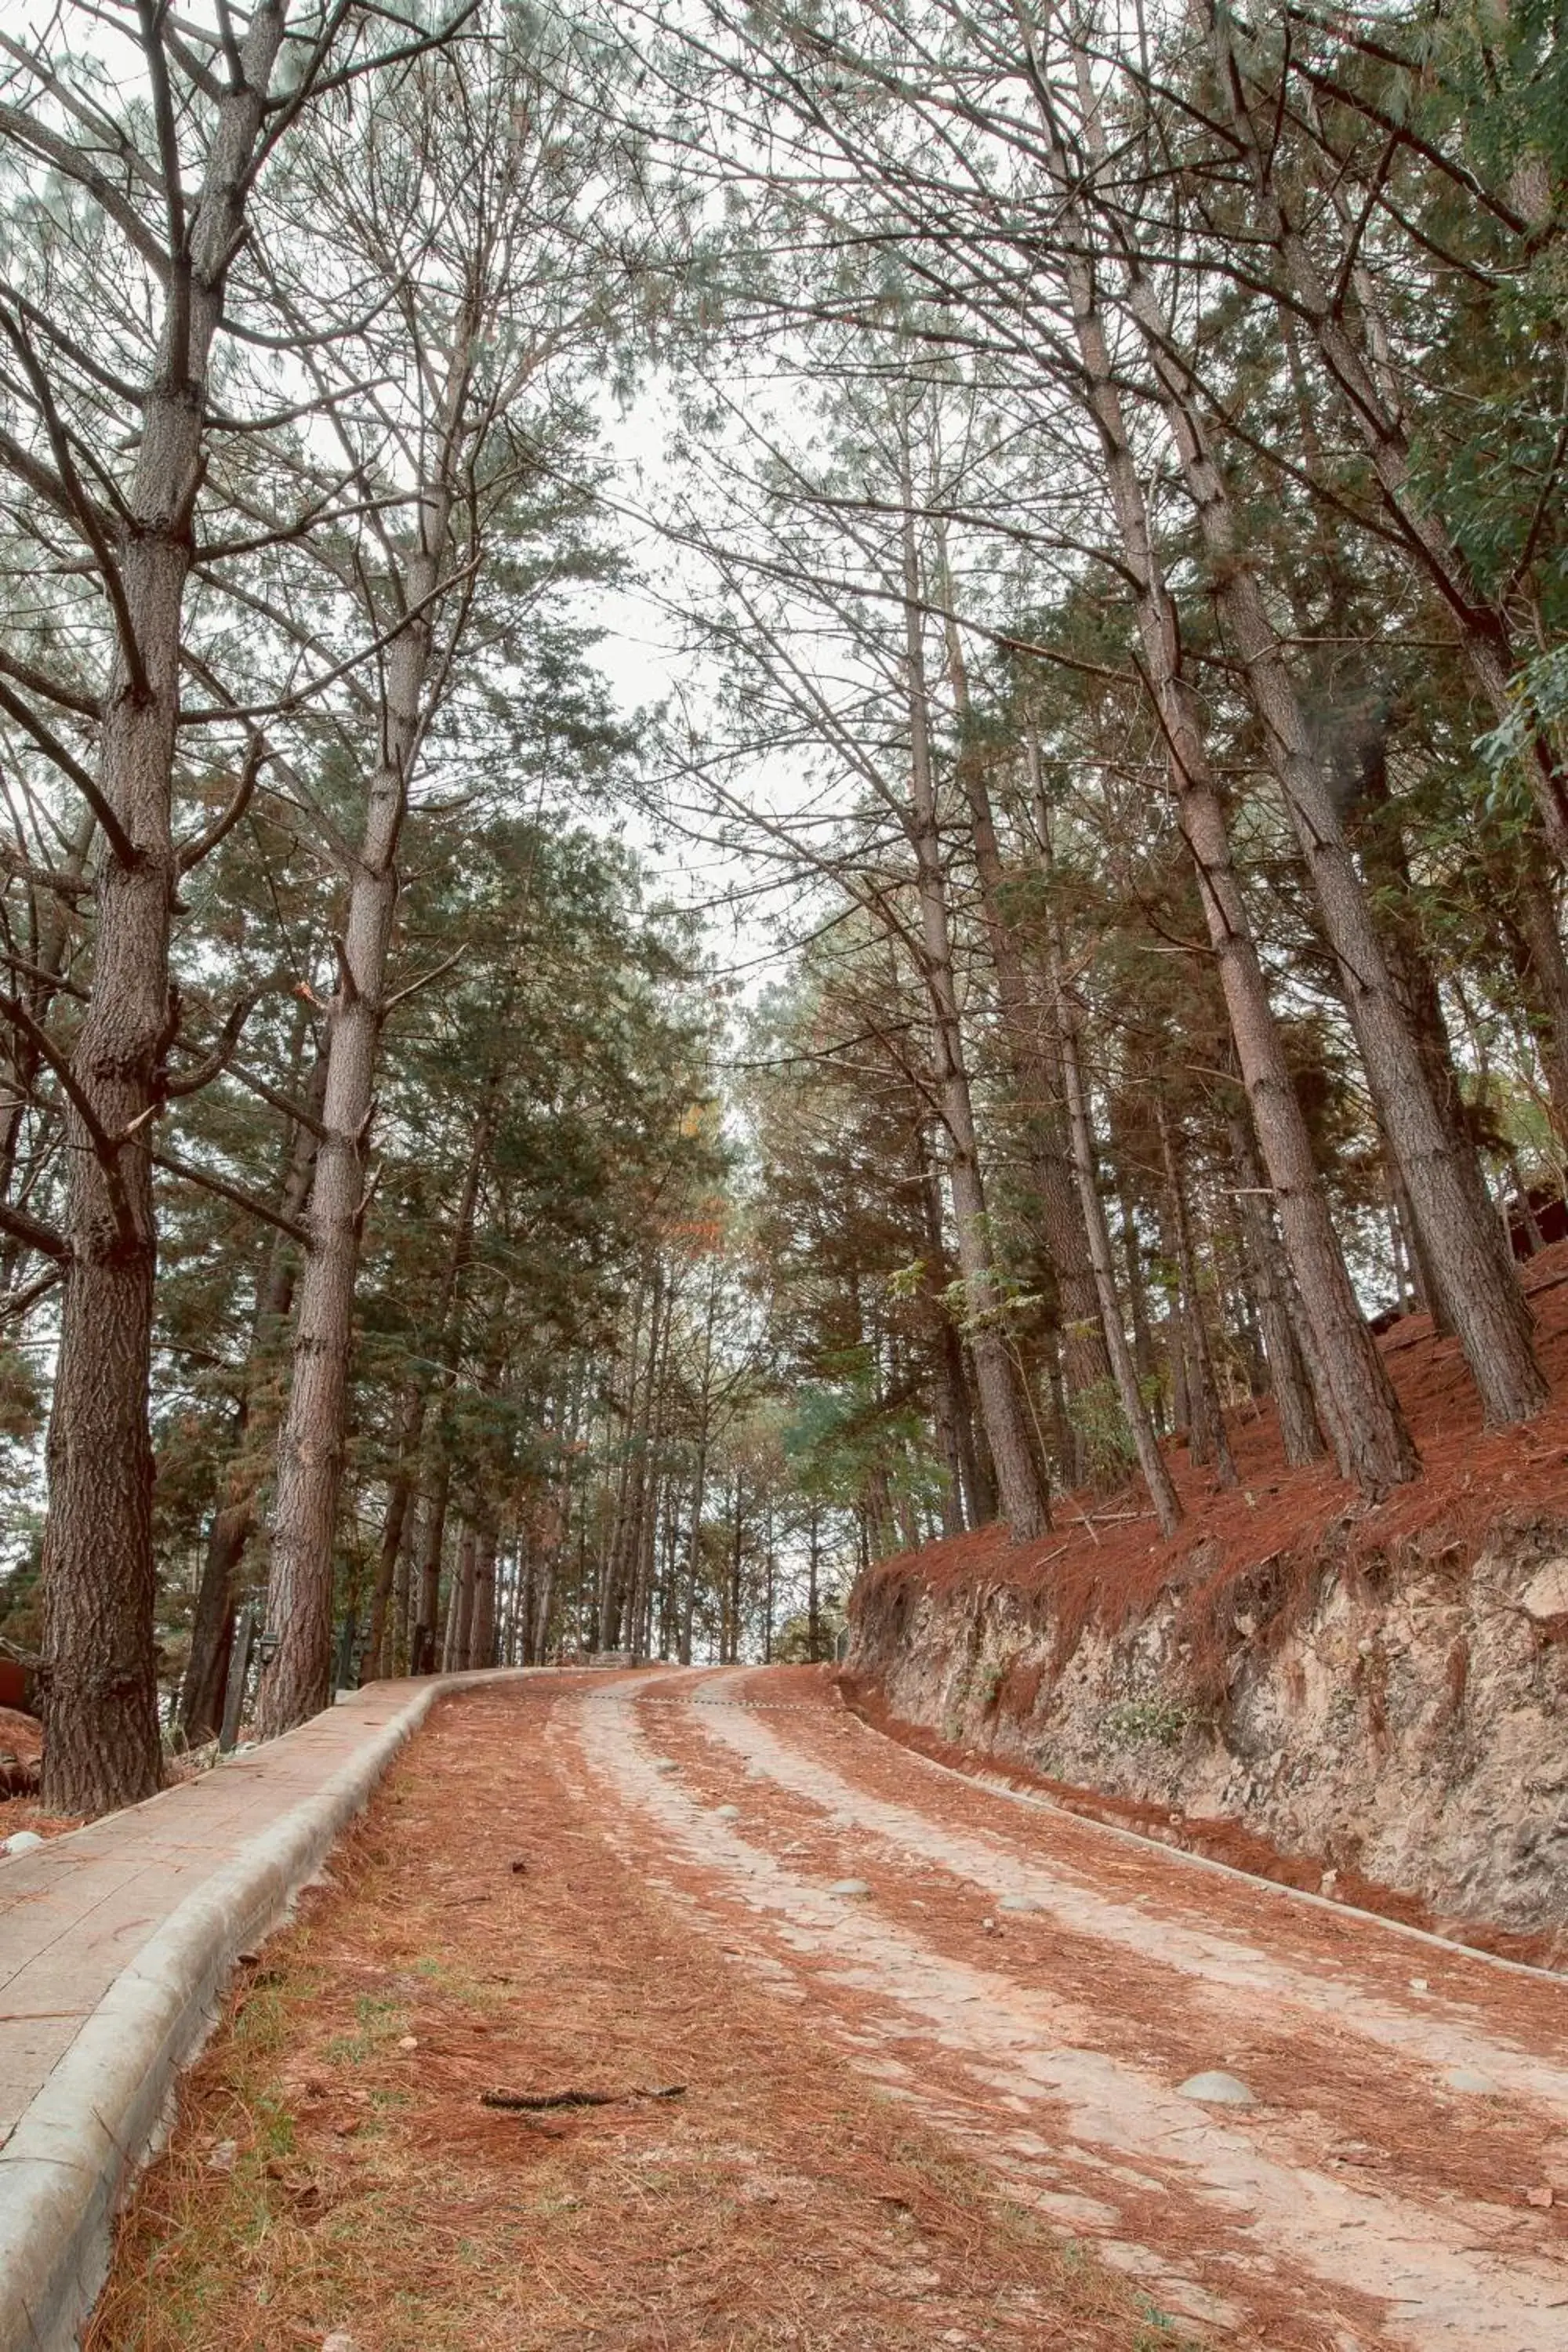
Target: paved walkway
point(115, 1944)
point(75, 1912)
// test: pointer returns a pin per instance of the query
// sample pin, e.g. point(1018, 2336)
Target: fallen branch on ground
point(536, 2102)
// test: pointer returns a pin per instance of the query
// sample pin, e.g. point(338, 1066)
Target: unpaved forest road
point(915, 2046)
point(1364, 2196)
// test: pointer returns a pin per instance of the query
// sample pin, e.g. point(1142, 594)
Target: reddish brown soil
point(1339, 2100)
point(1475, 1481)
point(332, 2165)
point(21, 1736)
point(1273, 1536)
point(1513, 2006)
point(846, 2164)
point(946, 1915)
point(1366, 2111)
point(1164, 2021)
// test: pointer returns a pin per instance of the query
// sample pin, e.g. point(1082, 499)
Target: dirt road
point(731, 1879)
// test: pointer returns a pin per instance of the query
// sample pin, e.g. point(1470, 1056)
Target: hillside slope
point(1367, 1698)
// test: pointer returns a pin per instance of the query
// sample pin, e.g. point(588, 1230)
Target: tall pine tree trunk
point(1086, 1364)
point(212, 1622)
point(972, 1501)
point(1002, 1403)
point(632, 1486)
point(687, 1601)
point(1371, 1442)
point(481, 1648)
point(730, 1633)
point(1287, 1374)
point(1150, 1461)
point(1207, 1441)
point(467, 1570)
point(99, 1683)
point(1534, 945)
point(400, 1494)
point(1471, 1265)
point(441, 1351)
point(424, 1640)
point(296, 1682)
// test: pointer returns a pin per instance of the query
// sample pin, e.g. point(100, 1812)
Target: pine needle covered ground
point(332, 2166)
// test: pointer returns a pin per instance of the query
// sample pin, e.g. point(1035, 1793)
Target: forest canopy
point(1063, 934)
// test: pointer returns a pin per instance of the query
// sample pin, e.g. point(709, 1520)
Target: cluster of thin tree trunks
point(432, 1599)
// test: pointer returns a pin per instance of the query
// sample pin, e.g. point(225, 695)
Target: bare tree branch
point(233, 1193)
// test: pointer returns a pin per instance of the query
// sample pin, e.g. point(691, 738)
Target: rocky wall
point(1402, 1722)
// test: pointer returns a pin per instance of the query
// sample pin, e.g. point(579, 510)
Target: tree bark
point(963, 1501)
point(400, 1493)
point(1086, 1364)
point(1207, 1441)
point(699, 1480)
point(1288, 1375)
point(468, 1570)
point(730, 1640)
point(1473, 1271)
point(481, 1645)
point(447, 1648)
point(656, 1486)
point(1535, 943)
point(1002, 1404)
point(400, 1646)
point(442, 1350)
point(212, 1624)
point(1150, 1461)
point(539, 1618)
point(98, 1681)
point(296, 1682)
point(1371, 1442)
point(428, 1629)
point(813, 1590)
point(626, 1549)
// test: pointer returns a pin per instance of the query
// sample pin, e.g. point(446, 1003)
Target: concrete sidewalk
point(115, 1943)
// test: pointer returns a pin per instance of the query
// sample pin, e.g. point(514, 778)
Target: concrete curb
point(68, 2162)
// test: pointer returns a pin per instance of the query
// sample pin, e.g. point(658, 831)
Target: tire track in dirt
point(1233, 2200)
point(1351, 2108)
point(1504, 1996)
point(1215, 1958)
point(335, 2166)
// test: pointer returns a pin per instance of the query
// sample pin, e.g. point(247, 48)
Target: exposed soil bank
point(1371, 1699)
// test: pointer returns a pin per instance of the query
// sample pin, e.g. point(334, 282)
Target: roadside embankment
point(1368, 1699)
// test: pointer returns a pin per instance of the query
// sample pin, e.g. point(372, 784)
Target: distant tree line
point(1114, 510)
